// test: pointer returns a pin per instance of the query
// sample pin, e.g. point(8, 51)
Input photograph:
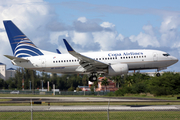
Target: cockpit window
point(166, 54)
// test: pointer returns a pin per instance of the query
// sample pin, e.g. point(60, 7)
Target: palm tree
point(105, 82)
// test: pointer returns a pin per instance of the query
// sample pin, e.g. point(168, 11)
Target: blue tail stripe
point(27, 52)
point(17, 39)
point(29, 48)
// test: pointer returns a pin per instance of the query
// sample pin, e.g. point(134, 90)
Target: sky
point(94, 25)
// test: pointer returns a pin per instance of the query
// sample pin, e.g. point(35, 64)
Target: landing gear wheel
point(93, 78)
point(158, 74)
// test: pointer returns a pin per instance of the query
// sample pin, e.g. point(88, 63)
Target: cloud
point(82, 24)
point(31, 16)
point(170, 31)
point(107, 25)
point(102, 8)
point(147, 38)
point(82, 19)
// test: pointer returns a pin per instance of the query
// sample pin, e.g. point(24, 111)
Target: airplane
point(109, 63)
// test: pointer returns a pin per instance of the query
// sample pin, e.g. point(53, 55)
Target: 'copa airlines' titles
point(125, 54)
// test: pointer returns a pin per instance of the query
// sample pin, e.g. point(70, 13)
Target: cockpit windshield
point(166, 54)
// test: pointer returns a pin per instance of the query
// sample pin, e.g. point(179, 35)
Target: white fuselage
point(66, 63)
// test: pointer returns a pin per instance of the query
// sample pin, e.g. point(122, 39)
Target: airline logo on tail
point(20, 44)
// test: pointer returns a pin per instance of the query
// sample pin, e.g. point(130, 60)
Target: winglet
point(69, 48)
point(58, 51)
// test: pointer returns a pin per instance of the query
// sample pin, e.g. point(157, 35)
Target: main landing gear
point(93, 77)
point(158, 74)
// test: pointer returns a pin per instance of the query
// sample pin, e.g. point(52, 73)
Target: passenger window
point(116, 57)
point(139, 56)
point(61, 60)
point(69, 60)
point(134, 56)
point(53, 61)
point(64, 60)
point(105, 58)
point(72, 60)
point(99, 58)
point(131, 56)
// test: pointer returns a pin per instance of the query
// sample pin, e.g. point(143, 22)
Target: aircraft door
point(155, 56)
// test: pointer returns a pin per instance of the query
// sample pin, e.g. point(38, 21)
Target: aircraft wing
point(87, 63)
point(16, 58)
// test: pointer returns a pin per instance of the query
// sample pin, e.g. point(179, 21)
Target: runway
point(90, 108)
point(79, 99)
point(86, 107)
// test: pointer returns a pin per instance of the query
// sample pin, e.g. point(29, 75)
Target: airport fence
point(36, 92)
point(88, 112)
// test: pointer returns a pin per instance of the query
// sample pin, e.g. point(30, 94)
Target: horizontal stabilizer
point(16, 58)
point(58, 51)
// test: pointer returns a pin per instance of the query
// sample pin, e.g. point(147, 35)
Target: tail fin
point(20, 44)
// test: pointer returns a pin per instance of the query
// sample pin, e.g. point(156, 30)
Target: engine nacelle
point(117, 69)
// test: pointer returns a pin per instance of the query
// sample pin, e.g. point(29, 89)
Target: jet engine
point(117, 69)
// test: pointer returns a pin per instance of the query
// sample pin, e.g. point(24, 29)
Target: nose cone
point(174, 59)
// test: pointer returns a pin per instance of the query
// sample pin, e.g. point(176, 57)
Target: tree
point(84, 80)
point(105, 82)
point(1, 83)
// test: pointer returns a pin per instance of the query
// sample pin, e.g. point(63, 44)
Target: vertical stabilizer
point(20, 44)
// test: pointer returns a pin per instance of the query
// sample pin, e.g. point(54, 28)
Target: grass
point(114, 115)
point(4, 100)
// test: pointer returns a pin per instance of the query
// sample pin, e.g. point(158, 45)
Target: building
point(110, 87)
point(10, 73)
point(2, 71)
point(6, 74)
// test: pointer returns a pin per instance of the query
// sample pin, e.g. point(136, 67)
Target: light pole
point(42, 84)
point(30, 85)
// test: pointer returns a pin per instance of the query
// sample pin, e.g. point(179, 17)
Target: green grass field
point(120, 115)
